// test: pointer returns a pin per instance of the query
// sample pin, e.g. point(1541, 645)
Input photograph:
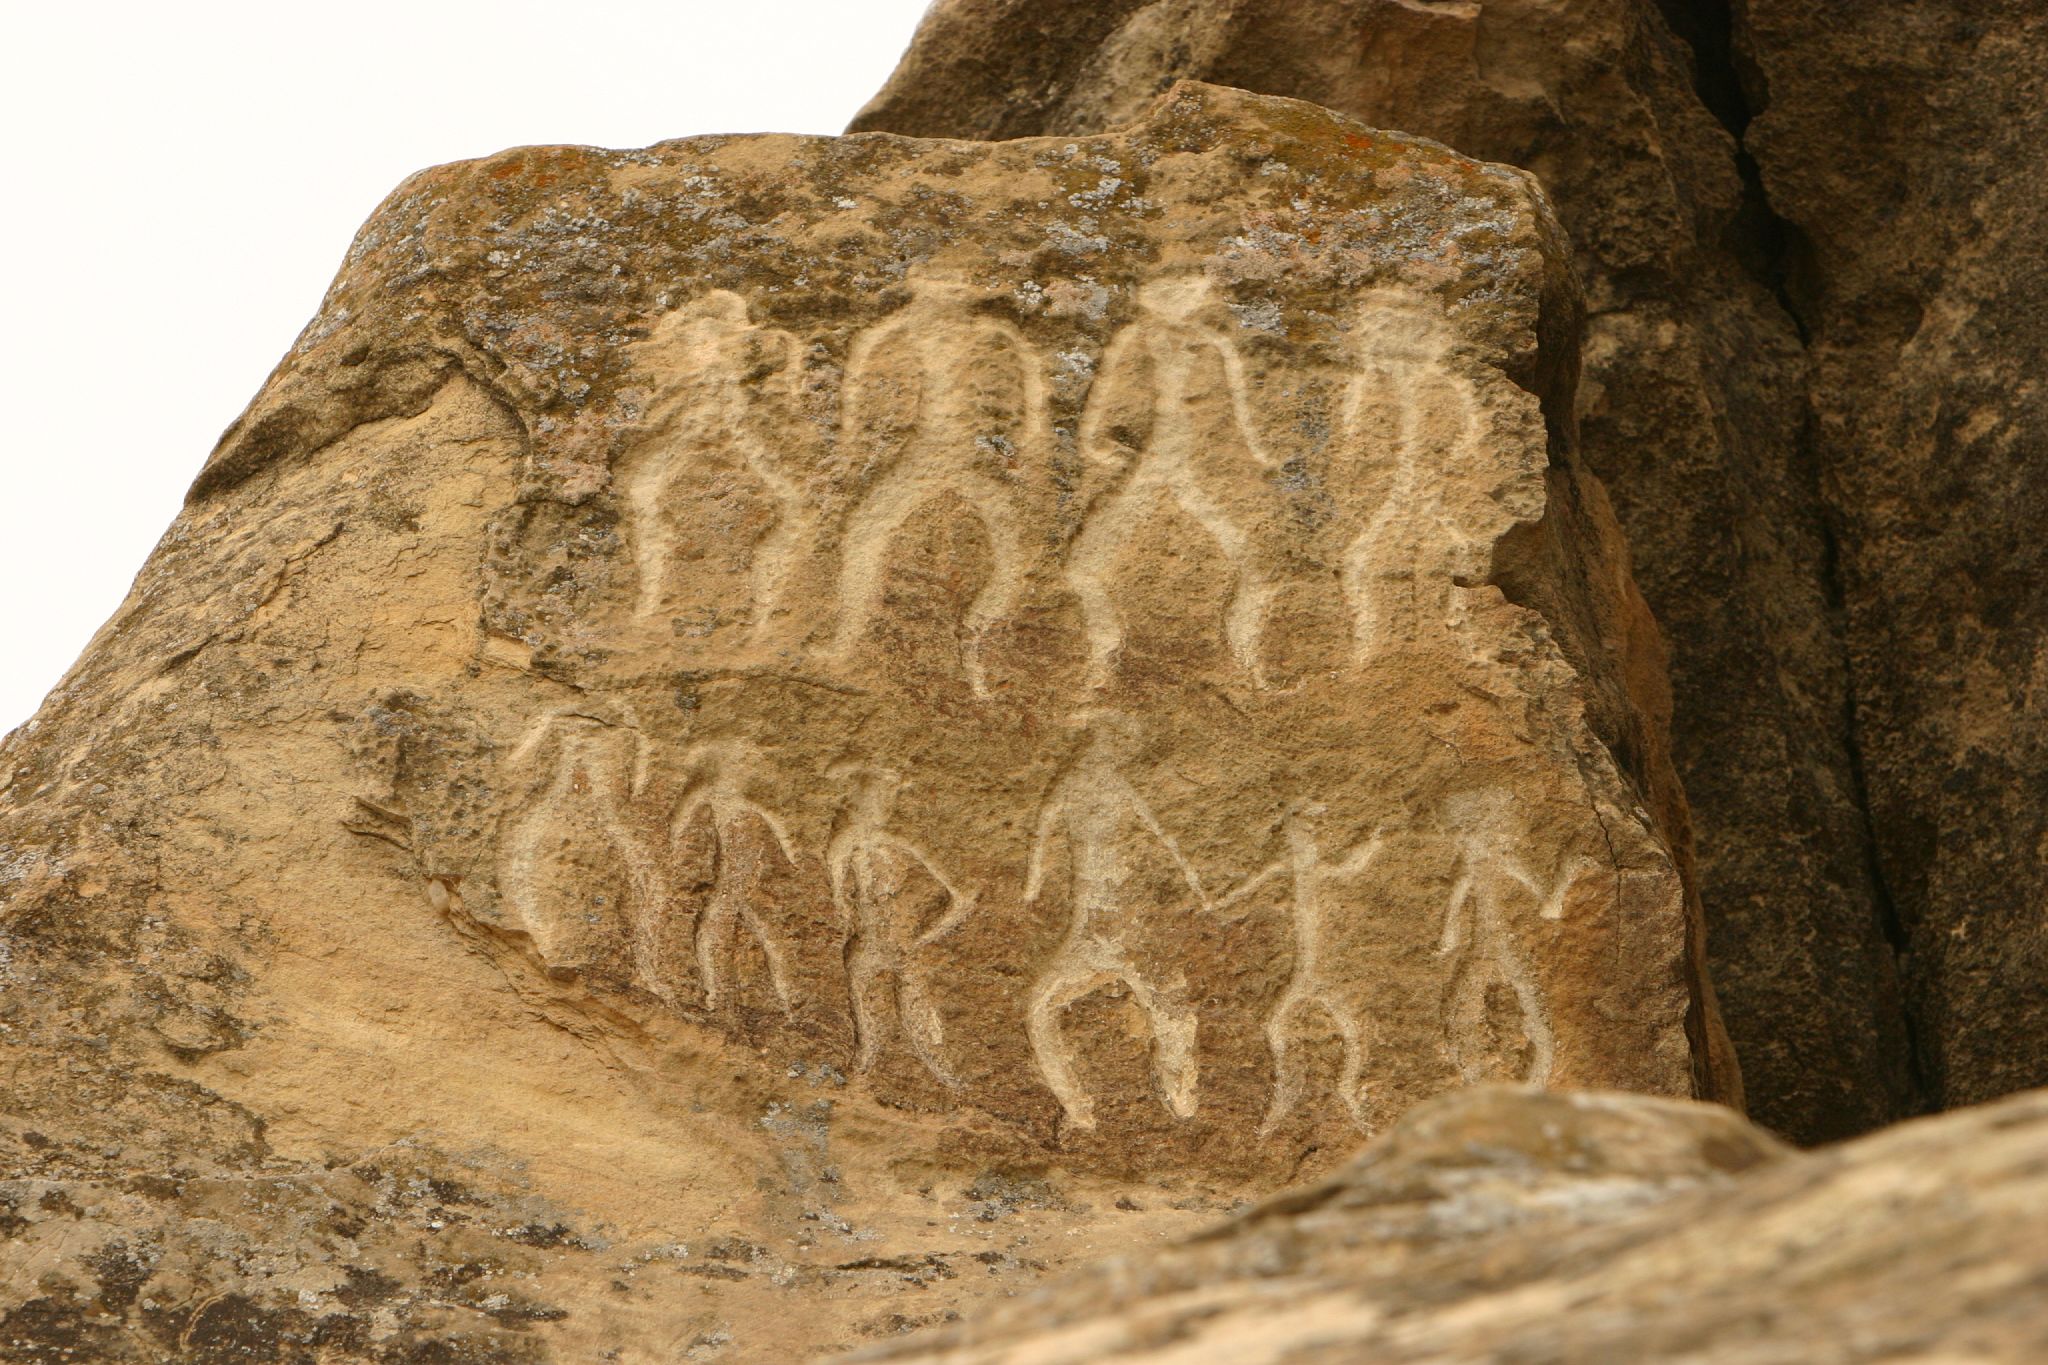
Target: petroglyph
point(571, 839)
point(731, 390)
point(940, 399)
point(721, 773)
point(1407, 413)
point(875, 878)
point(1158, 375)
point(1309, 987)
point(1477, 934)
point(1104, 822)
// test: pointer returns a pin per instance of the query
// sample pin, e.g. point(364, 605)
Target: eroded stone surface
point(1692, 411)
point(1492, 1225)
point(1902, 149)
point(818, 713)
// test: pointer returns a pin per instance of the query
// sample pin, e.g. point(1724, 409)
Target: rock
point(1901, 148)
point(1499, 1225)
point(1691, 411)
point(832, 717)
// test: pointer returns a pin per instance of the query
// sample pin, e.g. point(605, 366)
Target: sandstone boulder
point(1692, 412)
point(833, 716)
point(1500, 1225)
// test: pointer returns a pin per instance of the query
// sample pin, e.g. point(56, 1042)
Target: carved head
point(871, 782)
point(1483, 816)
point(719, 760)
point(1112, 734)
point(1177, 297)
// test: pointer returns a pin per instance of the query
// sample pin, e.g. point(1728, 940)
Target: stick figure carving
point(873, 873)
point(720, 773)
point(735, 387)
point(1476, 930)
point(942, 399)
point(573, 837)
point(1140, 422)
point(1406, 417)
point(1307, 988)
point(1106, 823)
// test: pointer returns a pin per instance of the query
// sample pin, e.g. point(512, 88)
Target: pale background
point(182, 180)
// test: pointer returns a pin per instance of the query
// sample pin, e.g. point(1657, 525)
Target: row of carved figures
point(1096, 810)
point(941, 398)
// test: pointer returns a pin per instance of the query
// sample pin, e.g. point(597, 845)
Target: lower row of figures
point(679, 915)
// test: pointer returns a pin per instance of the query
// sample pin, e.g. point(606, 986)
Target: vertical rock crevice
point(1776, 254)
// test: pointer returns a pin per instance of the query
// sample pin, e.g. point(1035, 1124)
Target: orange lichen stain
point(1360, 142)
point(505, 170)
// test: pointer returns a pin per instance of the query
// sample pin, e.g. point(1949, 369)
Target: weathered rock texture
point(1497, 1225)
point(1903, 144)
point(796, 713)
point(1692, 412)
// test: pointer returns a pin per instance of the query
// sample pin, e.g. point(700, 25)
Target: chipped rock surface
point(1493, 1225)
point(852, 718)
point(1692, 409)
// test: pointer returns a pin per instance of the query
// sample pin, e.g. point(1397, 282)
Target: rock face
point(1692, 413)
point(1497, 1225)
point(1899, 148)
point(796, 713)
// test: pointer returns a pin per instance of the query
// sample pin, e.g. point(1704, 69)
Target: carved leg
point(867, 988)
point(1088, 565)
point(1349, 1080)
point(1286, 1084)
point(864, 547)
point(998, 600)
point(714, 927)
point(922, 1025)
point(774, 550)
point(778, 977)
point(1244, 620)
point(1535, 1015)
point(1066, 981)
point(1174, 1065)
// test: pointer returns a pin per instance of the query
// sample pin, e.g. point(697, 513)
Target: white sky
point(182, 180)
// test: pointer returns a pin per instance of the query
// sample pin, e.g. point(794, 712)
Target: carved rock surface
point(834, 716)
point(1494, 1224)
point(1904, 150)
point(1691, 413)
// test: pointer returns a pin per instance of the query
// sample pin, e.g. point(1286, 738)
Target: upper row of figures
point(896, 901)
point(943, 398)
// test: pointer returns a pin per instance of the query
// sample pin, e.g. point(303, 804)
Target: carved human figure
point(1308, 989)
point(1109, 829)
point(1170, 415)
point(876, 876)
point(744, 834)
point(1478, 935)
point(570, 854)
point(1406, 417)
point(940, 399)
point(734, 386)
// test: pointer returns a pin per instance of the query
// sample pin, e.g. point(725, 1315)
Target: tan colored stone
point(1494, 1225)
point(810, 714)
point(1692, 411)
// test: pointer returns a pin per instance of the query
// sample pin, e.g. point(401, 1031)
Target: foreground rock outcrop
point(1693, 411)
point(1500, 1225)
point(853, 717)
